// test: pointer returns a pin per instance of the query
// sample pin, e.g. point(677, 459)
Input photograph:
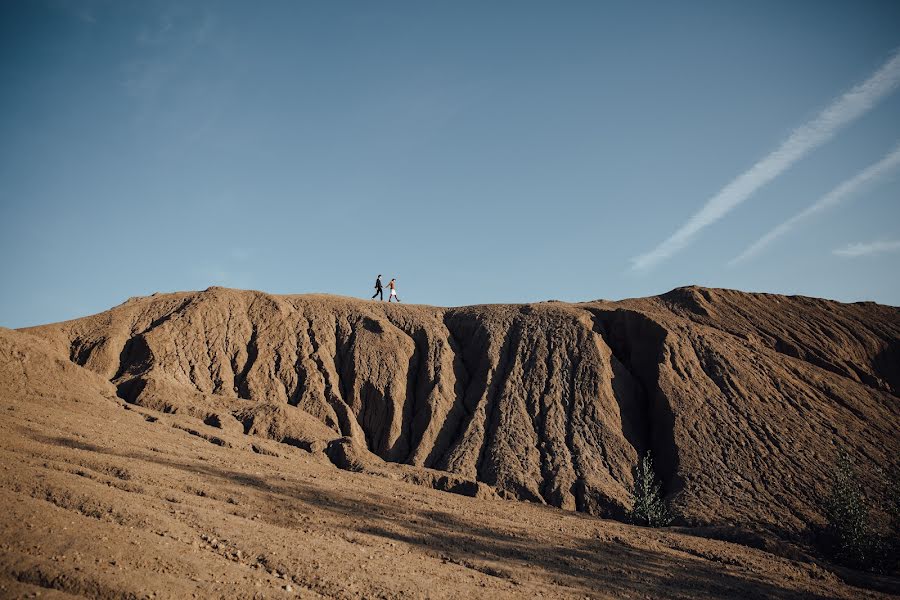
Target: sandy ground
point(107, 500)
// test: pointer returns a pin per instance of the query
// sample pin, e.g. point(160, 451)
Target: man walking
point(378, 291)
point(393, 287)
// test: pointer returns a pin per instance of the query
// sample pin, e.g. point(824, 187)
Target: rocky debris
point(348, 454)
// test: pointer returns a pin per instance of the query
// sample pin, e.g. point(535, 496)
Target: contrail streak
point(838, 194)
point(849, 107)
point(856, 250)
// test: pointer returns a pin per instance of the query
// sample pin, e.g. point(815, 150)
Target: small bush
point(647, 505)
point(892, 493)
point(891, 487)
point(847, 513)
point(851, 538)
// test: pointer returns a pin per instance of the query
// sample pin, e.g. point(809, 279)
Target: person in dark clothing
point(378, 291)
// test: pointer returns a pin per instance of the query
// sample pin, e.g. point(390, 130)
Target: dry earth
point(237, 444)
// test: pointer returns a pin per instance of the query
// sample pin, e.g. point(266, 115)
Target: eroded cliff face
point(742, 398)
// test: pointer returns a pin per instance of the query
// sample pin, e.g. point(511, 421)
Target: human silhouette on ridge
point(378, 289)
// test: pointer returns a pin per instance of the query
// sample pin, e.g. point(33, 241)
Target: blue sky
point(478, 151)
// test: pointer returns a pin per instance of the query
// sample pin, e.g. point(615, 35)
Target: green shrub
point(892, 493)
point(851, 537)
point(847, 513)
point(891, 486)
point(647, 505)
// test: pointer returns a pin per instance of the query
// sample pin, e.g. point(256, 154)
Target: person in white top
point(393, 287)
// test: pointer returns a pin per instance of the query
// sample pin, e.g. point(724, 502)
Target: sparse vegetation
point(892, 487)
point(847, 513)
point(851, 537)
point(647, 504)
point(891, 484)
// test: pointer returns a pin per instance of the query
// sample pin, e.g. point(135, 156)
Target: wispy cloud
point(87, 16)
point(838, 194)
point(868, 248)
point(847, 108)
point(144, 79)
point(157, 62)
point(158, 34)
point(176, 25)
point(161, 48)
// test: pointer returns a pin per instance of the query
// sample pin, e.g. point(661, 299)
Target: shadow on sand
point(611, 567)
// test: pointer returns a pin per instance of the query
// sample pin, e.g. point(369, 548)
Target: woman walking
point(393, 287)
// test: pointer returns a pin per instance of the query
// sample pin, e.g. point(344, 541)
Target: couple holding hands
point(379, 292)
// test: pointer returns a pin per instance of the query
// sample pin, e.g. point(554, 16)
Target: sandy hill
point(240, 404)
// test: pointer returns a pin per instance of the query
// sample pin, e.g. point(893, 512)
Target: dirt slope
point(107, 499)
point(742, 398)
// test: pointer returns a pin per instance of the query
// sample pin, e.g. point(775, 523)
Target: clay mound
point(29, 367)
point(857, 341)
point(108, 499)
point(742, 398)
point(285, 424)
